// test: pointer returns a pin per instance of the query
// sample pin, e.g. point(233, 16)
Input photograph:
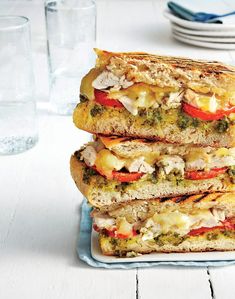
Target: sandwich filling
point(127, 160)
point(196, 223)
point(171, 218)
point(140, 99)
point(174, 220)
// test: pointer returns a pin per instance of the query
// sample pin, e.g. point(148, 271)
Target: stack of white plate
point(217, 36)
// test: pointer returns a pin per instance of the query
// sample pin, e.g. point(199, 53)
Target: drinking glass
point(18, 123)
point(71, 34)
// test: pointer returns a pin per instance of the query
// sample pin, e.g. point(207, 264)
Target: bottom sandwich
point(203, 222)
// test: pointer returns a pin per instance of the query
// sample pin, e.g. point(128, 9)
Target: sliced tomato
point(101, 97)
point(96, 228)
point(132, 234)
point(205, 115)
point(203, 175)
point(228, 224)
point(125, 177)
point(114, 234)
point(202, 230)
point(122, 236)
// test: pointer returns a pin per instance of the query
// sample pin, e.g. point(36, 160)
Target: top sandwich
point(158, 97)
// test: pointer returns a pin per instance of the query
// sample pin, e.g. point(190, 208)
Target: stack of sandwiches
point(160, 171)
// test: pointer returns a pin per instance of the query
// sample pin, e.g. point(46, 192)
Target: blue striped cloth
point(84, 250)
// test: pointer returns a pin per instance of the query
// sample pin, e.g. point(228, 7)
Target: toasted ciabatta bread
point(173, 99)
point(167, 71)
point(100, 191)
point(131, 148)
point(140, 210)
point(112, 121)
point(203, 222)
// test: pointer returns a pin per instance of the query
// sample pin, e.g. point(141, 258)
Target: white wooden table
point(39, 203)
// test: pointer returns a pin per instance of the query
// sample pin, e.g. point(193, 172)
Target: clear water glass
point(18, 122)
point(71, 35)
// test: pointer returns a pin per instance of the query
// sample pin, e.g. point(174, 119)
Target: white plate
point(198, 25)
point(220, 40)
point(222, 46)
point(159, 257)
point(202, 32)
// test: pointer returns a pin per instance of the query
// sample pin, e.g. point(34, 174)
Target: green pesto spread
point(97, 110)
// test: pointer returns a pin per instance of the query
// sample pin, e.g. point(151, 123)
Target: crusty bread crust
point(108, 194)
point(77, 170)
point(191, 244)
point(121, 122)
point(168, 71)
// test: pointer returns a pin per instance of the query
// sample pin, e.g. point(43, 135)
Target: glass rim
point(92, 4)
point(15, 26)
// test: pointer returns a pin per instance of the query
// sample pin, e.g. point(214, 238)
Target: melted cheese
point(203, 102)
point(164, 222)
point(197, 159)
point(86, 88)
point(181, 223)
point(123, 226)
point(208, 89)
point(197, 154)
point(106, 162)
point(144, 96)
point(222, 152)
point(209, 101)
point(109, 142)
point(172, 221)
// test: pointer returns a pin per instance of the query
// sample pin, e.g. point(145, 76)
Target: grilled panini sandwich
point(119, 169)
point(171, 99)
point(203, 222)
point(160, 172)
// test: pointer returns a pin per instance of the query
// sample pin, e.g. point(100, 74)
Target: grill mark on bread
point(201, 197)
point(165, 199)
point(177, 62)
point(191, 197)
point(182, 198)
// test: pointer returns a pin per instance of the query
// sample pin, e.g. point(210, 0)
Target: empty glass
point(71, 33)
point(18, 123)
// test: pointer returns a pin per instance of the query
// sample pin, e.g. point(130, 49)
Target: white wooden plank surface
point(222, 280)
point(39, 203)
point(37, 258)
point(171, 283)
